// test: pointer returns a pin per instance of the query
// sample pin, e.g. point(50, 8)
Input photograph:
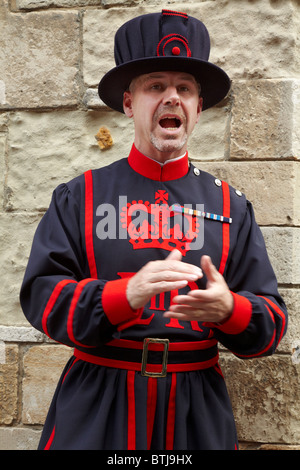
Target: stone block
point(16, 234)
point(19, 438)
point(249, 39)
point(39, 59)
point(9, 368)
point(265, 120)
point(272, 187)
point(283, 245)
point(265, 397)
point(291, 298)
point(62, 146)
point(21, 334)
point(25, 5)
point(43, 366)
point(2, 168)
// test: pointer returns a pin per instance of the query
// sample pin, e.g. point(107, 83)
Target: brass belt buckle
point(163, 372)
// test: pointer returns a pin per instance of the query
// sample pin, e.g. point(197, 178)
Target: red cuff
point(115, 304)
point(239, 319)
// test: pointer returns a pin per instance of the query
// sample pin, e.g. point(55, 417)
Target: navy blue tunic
point(99, 230)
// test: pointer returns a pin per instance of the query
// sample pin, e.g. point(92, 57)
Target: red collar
point(153, 170)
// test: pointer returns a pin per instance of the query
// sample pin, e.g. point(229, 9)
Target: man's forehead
point(163, 75)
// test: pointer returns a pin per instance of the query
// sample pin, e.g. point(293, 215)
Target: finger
point(169, 275)
point(173, 263)
point(174, 255)
point(209, 269)
point(188, 316)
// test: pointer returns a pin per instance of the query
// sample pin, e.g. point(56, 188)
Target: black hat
point(167, 41)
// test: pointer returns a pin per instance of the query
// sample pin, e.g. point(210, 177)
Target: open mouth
point(170, 123)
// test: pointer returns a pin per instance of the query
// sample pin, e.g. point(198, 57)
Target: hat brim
point(215, 83)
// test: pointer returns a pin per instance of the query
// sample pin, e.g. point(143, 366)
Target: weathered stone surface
point(249, 40)
point(19, 439)
point(265, 396)
point(265, 119)
point(9, 385)
point(272, 187)
point(39, 59)
point(43, 4)
point(44, 58)
point(16, 234)
point(60, 149)
point(21, 334)
point(2, 168)
point(283, 245)
point(291, 298)
point(40, 4)
point(42, 365)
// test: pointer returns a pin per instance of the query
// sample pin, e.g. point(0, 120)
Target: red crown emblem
point(157, 226)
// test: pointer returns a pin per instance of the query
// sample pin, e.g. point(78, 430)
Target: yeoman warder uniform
point(139, 380)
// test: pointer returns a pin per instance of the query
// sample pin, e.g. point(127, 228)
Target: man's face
point(165, 107)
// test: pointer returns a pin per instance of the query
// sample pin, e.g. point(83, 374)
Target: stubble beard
point(171, 144)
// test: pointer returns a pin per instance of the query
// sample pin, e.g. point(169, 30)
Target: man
point(145, 265)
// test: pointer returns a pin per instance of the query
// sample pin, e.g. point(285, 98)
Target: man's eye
point(183, 88)
point(156, 86)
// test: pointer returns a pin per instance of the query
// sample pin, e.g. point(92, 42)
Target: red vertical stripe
point(171, 414)
point(131, 410)
point(51, 302)
point(280, 313)
point(89, 223)
point(48, 445)
point(80, 286)
point(151, 407)
point(226, 226)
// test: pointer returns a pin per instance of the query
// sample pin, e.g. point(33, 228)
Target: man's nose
point(171, 97)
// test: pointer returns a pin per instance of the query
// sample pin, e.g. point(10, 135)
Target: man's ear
point(199, 108)
point(127, 104)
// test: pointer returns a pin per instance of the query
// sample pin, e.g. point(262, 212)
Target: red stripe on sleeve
point(240, 317)
point(279, 312)
point(263, 351)
point(79, 288)
point(115, 303)
point(89, 223)
point(51, 302)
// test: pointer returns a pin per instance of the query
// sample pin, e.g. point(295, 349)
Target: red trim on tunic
point(174, 13)
point(79, 288)
point(51, 302)
point(240, 317)
point(131, 411)
point(279, 312)
point(48, 445)
point(115, 303)
point(136, 366)
point(260, 353)
point(171, 415)
point(226, 227)
point(182, 346)
point(151, 407)
point(152, 170)
point(89, 243)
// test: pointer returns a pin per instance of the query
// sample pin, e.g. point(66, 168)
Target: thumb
point(209, 268)
point(174, 255)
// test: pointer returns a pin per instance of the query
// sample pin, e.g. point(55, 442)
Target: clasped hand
point(213, 304)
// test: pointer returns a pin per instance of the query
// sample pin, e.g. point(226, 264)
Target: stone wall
point(52, 55)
